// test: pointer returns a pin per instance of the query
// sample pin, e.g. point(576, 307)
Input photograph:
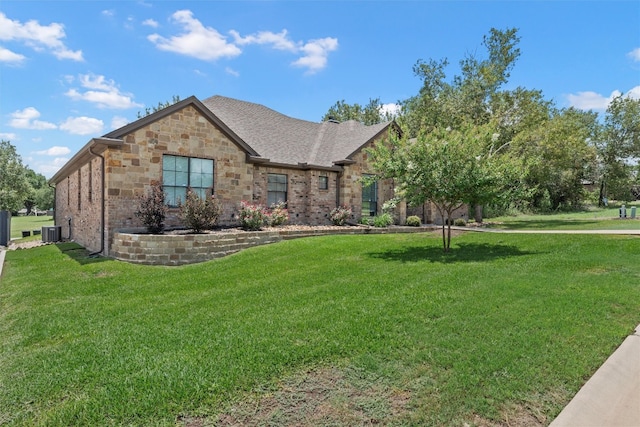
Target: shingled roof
point(286, 140)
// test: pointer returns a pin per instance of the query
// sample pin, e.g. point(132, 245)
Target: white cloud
point(232, 72)
point(316, 53)
point(11, 57)
point(102, 92)
point(392, 109)
point(38, 37)
point(197, 40)
point(5, 136)
point(117, 122)
point(278, 41)
point(207, 44)
point(49, 168)
point(54, 151)
point(634, 54)
point(108, 12)
point(150, 23)
point(594, 101)
point(82, 125)
point(28, 119)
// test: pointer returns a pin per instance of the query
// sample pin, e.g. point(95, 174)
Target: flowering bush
point(152, 210)
point(340, 215)
point(199, 213)
point(278, 214)
point(252, 217)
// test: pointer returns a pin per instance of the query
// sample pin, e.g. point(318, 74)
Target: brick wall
point(78, 203)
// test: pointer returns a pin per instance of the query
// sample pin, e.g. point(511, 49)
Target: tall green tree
point(467, 96)
point(369, 114)
point(557, 156)
point(618, 143)
point(449, 167)
point(14, 186)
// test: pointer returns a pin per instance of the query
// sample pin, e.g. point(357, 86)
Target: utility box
point(633, 212)
point(5, 228)
point(623, 211)
point(51, 234)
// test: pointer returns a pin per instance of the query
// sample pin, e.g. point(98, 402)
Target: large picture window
point(179, 172)
point(276, 188)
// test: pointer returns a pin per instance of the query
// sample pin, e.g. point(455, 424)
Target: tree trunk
point(477, 214)
point(601, 196)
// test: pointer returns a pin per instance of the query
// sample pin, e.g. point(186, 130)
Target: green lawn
point(386, 328)
point(589, 219)
point(29, 223)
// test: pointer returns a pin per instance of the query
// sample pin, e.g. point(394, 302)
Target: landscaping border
point(180, 249)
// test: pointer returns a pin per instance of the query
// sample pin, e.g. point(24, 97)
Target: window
point(323, 182)
point(179, 172)
point(276, 188)
point(370, 199)
point(79, 189)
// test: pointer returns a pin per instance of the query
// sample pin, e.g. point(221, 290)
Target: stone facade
point(132, 161)
point(180, 249)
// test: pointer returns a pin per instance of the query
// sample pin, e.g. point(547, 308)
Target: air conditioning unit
point(52, 234)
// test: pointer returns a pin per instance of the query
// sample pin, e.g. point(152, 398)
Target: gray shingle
point(287, 140)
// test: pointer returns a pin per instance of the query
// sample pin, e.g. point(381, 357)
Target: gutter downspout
point(102, 202)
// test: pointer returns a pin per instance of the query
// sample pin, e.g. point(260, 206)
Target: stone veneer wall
point(180, 249)
point(132, 168)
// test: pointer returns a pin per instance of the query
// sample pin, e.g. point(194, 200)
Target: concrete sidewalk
point(2, 252)
point(611, 397)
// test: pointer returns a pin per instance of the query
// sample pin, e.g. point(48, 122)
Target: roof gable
point(160, 114)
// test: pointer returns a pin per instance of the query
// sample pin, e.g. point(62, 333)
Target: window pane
point(170, 195)
point(182, 179)
point(207, 180)
point(196, 165)
point(169, 163)
point(207, 166)
point(181, 195)
point(195, 180)
point(169, 178)
point(182, 164)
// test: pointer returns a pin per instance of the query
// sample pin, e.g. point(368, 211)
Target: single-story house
point(237, 150)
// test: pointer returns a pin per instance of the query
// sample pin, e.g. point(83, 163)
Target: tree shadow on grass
point(79, 254)
point(460, 252)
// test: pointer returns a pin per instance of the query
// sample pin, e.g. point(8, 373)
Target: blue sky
point(74, 70)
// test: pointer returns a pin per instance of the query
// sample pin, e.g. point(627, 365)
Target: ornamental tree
point(449, 167)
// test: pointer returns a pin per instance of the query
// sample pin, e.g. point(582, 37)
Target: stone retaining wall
point(179, 249)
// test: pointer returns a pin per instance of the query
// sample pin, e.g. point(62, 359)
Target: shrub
point(152, 210)
point(340, 215)
point(460, 222)
point(278, 214)
point(366, 220)
point(383, 220)
point(199, 213)
point(252, 217)
point(390, 207)
point(414, 221)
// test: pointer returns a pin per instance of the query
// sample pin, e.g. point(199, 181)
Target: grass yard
point(336, 330)
point(593, 218)
point(29, 223)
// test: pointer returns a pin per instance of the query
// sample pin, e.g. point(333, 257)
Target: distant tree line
point(20, 186)
point(534, 155)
